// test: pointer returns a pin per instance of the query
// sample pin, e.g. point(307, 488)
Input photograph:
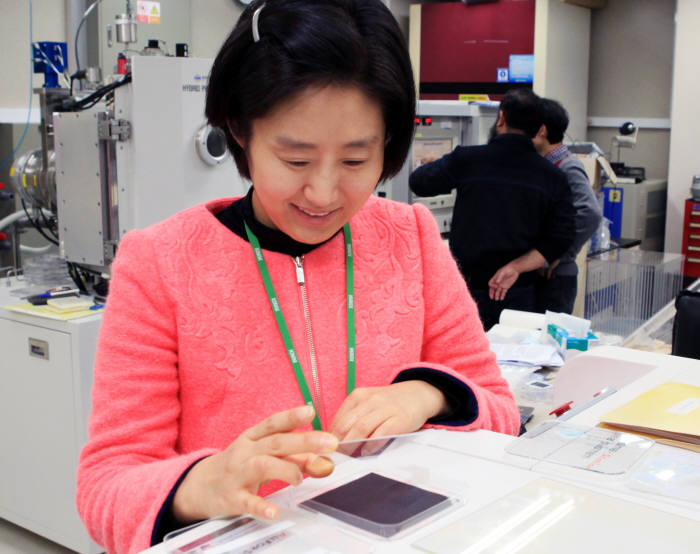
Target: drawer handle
point(38, 348)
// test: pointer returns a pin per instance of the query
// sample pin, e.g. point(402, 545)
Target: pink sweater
point(189, 353)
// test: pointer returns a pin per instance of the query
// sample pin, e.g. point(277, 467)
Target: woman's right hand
point(227, 483)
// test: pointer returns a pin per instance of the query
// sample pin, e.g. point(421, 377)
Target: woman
point(243, 338)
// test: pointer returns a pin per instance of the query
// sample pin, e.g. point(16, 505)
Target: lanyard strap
point(282, 324)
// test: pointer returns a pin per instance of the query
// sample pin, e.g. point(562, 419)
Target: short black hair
point(304, 43)
point(555, 118)
point(522, 111)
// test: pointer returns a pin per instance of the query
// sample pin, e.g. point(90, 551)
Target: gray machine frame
point(138, 160)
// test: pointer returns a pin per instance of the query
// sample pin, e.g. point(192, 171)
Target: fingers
point(273, 435)
point(236, 499)
point(364, 414)
point(364, 426)
point(257, 506)
point(377, 411)
point(347, 414)
point(313, 465)
point(266, 468)
point(320, 466)
point(388, 427)
point(226, 483)
point(497, 293)
point(217, 486)
point(281, 422)
point(287, 444)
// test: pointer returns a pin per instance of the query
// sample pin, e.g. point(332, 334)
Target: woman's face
point(314, 161)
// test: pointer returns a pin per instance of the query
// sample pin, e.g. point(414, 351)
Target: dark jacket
point(509, 201)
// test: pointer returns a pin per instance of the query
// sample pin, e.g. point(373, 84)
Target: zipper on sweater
point(299, 266)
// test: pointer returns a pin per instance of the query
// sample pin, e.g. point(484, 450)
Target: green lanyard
point(284, 330)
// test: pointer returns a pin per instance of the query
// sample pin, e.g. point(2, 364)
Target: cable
point(82, 275)
point(49, 224)
point(77, 278)
point(10, 219)
point(77, 32)
point(81, 74)
point(36, 225)
point(87, 269)
point(35, 249)
point(89, 101)
point(11, 157)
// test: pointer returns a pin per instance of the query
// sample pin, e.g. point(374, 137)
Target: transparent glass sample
point(547, 516)
point(672, 472)
point(371, 446)
point(589, 448)
point(245, 534)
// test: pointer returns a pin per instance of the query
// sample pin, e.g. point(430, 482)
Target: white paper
point(518, 318)
point(532, 354)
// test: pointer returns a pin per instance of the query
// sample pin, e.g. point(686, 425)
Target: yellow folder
point(671, 410)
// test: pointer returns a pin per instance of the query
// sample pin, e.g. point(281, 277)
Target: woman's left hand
point(391, 410)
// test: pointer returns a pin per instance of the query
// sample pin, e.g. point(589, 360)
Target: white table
point(608, 516)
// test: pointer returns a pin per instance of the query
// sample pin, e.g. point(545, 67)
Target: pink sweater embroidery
point(189, 353)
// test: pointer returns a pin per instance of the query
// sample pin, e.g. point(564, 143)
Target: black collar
point(233, 216)
point(514, 139)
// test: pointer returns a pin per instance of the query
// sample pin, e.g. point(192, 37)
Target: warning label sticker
point(148, 12)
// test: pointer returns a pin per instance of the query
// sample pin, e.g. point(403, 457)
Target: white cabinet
point(45, 383)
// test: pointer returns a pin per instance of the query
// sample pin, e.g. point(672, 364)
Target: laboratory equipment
point(695, 188)
point(441, 126)
point(637, 211)
point(141, 169)
point(131, 152)
point(51, 59)
point(126, 28)
point(625, 288)
point(627, 137)
point(128, 162)
point(658, 332)
point(691, 238)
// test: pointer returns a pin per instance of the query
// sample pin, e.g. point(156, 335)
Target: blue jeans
point(517, 298)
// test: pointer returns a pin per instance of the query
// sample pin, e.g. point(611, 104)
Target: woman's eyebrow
point(289, 142)
point(363, 142)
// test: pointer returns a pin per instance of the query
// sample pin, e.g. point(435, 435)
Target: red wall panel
point(467, 44)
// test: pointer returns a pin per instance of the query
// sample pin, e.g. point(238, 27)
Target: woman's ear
point(236, 136)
